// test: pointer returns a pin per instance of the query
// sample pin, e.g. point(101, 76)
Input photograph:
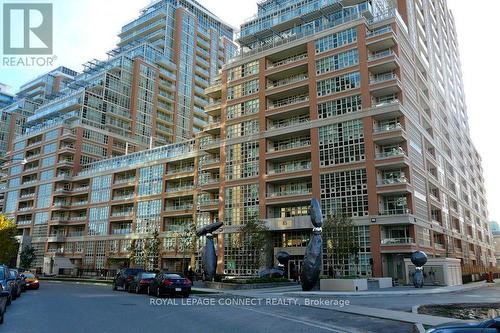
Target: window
point(339, 106)
point(336, 40)
point(242, 109)
point(242, 160)
point(101, 189)
point(151, 180)
point(243, 71)
point(44, 196)
point(15, 170)
point(11, 201)
point(52, 135)
point(241, 204)
point(337, 61)
point(242, 129)
point(338, 84)
point(46, 175)
point(341, 143)
point(48, 161)
point(42, 218)
point(148, 216)
point(50, 148)
point(244, 89)
point(14, 182)
point(98, 221)
point(345, 192)
point(19, 145)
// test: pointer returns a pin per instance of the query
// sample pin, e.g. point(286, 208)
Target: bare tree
point(341, 241)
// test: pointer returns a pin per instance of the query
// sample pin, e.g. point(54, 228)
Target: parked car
point(487, 326)
point(170, 283)
point(124, 277)
point(6, 282)
point(4, 295)
point(18, 282)
point(30, 280)
point(141, 281)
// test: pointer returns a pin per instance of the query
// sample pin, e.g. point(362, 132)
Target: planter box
point(343, 284)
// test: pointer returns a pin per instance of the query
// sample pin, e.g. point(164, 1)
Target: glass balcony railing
point(287, 101)
point(392, 153)
point(291, 167)
point(383, 77)
point(290, 192)
point(290, 144)
point(395, 211)
point(387, 127)
point(286, 81)
point(187, 206)
point(287, 60)
point(397, 241)
point(289, 122)
point(393, 180)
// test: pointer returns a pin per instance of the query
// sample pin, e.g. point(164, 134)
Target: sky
point(86, 29)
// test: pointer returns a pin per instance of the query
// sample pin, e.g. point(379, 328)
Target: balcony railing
point(396, 211)
point(290, 145)
point(209, 202)
point(392, 181)
point(286, 81)
point(382, 78)
point(124, 181)
point(180, 188)
point(392, 153)
point(287, 60)
point(439, 246)
point(388, 127)
point(288, 101)
point(291, 168)
point(179, 207)
point(290, 193)
point(380, 55)
point(122, 213)
point(397, 241)
point(289, 122)
point(177, 170)
point(379, 31)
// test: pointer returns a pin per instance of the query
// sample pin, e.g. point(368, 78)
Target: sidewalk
point(395, 291)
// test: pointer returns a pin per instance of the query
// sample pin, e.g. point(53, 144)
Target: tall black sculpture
point(209, 257)
point(311, 267)
point(418, 258)
point(276, 272)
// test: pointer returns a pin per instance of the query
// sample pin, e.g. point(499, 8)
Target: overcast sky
point(86, 29)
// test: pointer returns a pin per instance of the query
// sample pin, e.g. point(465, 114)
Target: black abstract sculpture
point(209, 258)
point(418, 258)
point(276, 272)
point(311, 267)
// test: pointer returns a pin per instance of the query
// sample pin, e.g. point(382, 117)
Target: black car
point(4, 295)
point(7, 283)
point(171, 284)
point(140, 282)
point(124, 277)
point(19, 282)
point(487, 326)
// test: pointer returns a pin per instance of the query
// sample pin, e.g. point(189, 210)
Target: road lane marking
point(330, 328)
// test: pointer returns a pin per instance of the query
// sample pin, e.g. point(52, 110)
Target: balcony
point(290, 192)
point(380, 39)
point(126, 213)
point(180, 170)
point(439, 246)
point(290, 167)
point(382, 62)
point(182, 209)
point(288, 60)
point(123, 197)
point(56, 238)
point(180, 188)
point(209, 205)
point(296, 120)
point(384, 84)
point(288, 101)
point(396, 211)
point(397, 241)
point(285, 82)
point(125, 181)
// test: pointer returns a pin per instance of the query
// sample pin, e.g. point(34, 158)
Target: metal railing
point(397, 241)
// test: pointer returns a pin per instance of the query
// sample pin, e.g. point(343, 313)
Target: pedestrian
point(190, 274)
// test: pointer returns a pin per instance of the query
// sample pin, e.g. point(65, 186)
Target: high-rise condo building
point(148, 93)
point(361, 105)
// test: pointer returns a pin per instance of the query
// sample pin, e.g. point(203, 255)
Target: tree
point(152, 251)
point(133, 253)
point(341, 241)
point(255, 236)
point(8, 242)
point(186, 239)
point(27, 256)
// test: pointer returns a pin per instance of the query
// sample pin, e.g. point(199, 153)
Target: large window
point(242, 129)
point(242, 109)
point(337, 61)
point(344, 192)
point(44, 196)
point(341, 143)
point(42, 218)
point(242, 71)
point(339, 106)
point(11, 201)
point(48, 161)
point(242, 160)
point(148, 216)
point(243, 89)
point(101, 189)
point(151, 180)
point(336, 40)
point(338, 84)
point(241, 204)
point(50, 148)
point(98, 220)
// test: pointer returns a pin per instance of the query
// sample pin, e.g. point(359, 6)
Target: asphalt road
point(67, 307)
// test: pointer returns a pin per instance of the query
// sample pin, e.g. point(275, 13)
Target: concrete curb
point(440, 290)
point(420, 328)
point(77, 281)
